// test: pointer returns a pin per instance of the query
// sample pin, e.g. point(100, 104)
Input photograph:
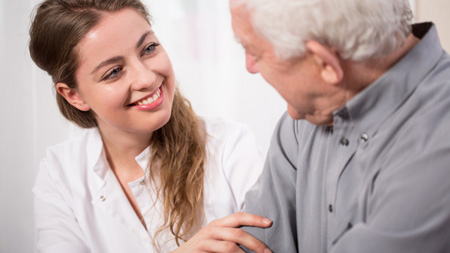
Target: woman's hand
point(223, 235)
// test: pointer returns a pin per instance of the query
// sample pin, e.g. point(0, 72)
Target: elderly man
point(361, 162)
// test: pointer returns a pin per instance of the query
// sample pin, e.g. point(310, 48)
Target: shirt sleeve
point(243, 162)
point(57, 227)
point(273, 196)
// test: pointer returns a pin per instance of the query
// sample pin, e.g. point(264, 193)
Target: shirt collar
point(95, 153)
point(96, 157)
point(370, 108)
point(143, 158)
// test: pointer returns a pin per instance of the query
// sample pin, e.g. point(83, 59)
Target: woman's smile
point(151, 101)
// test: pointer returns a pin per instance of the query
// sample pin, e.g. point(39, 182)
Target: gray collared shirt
point(379, 180)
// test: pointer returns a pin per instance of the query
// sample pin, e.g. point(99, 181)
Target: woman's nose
point(251, 63)
point(144, 76)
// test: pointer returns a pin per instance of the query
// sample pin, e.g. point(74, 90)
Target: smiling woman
point(147, 173)
point(112, 79)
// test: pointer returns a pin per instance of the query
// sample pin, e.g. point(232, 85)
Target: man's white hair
point(358, 29)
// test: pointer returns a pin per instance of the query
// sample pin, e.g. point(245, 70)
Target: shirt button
point(102, 198)
point(142, 182)
point(344, 142)
point(364, 137)
point(330, 208)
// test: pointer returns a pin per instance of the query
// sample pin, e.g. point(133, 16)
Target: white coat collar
point(96, 157)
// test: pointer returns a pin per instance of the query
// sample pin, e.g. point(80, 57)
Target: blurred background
point(209, 65)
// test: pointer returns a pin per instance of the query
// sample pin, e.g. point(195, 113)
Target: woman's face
point(124, 76)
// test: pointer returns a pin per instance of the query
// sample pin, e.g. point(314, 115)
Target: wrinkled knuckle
point(207, 230)
point(240, 215)
point(238, 233)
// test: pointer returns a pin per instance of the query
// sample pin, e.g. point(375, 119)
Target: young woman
point(147, 174)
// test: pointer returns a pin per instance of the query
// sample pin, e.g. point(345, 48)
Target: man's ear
point(328, 62)
point(72, 96)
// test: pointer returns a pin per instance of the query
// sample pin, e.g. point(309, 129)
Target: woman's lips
point(151, 102)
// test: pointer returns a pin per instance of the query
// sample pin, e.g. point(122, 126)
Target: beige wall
point(437, 11)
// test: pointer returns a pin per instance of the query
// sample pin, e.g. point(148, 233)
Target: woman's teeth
point(150, 99)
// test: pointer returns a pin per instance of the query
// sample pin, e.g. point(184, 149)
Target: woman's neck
point(121, 150)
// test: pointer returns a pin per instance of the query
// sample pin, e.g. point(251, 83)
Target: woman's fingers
point(236, 236)
point(228, 230)
point(220, 246)
point(206, 241)
point(224, 235)
point(242, 219)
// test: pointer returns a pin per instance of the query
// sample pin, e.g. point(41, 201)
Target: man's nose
point(251, 64)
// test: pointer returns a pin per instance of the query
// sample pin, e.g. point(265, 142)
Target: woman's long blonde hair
point(178, 148)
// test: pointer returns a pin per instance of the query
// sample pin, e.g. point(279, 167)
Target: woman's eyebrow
point(141, 40)
point(106, 62)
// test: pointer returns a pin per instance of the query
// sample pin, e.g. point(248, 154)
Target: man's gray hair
point(358, 29)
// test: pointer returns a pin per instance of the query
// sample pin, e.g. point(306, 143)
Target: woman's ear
point(72, 96)
point(328, 62)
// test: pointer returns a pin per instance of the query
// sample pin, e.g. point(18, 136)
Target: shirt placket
point(141, 194)
point(344, 141)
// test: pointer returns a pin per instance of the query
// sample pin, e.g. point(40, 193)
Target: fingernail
point(266, 221)
point(267, 251)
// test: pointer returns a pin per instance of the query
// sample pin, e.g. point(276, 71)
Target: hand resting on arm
point(224, 235)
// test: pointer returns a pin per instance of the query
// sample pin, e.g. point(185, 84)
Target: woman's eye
point(150, 48)
point(113, 73)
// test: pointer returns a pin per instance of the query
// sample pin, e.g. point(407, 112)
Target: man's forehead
point(244, 31)
point(243, 34)
point(241, 22)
